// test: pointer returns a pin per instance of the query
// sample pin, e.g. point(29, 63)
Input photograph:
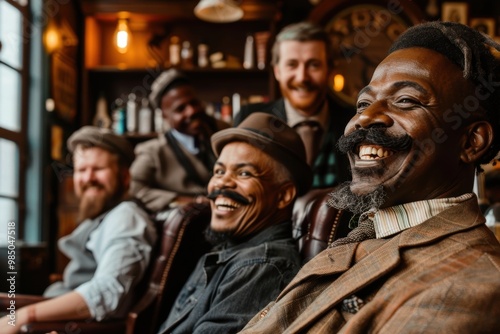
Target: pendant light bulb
point(122, 36)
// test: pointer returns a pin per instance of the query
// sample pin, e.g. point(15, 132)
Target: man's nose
point(88, 175)
point(374, 116)
point(225, 181)
point(301, 73)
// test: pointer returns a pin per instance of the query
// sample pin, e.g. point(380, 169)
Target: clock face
point(361, 36)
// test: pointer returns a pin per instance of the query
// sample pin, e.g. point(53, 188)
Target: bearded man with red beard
point(110, 249)
point(260, 170)
point(302, 59)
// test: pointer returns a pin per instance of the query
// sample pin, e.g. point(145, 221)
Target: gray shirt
point(108, 257)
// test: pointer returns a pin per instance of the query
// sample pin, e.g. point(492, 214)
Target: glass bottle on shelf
point(174, 51)
point(131, 113)
point(186, 55)
point(119, 118)
point(248, 58)
point(226, 112)
point(202, 55)
point(158, 120)
point(145, 117)
point(101, 118)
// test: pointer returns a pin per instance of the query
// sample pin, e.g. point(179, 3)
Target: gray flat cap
point(161, 84)
point(105, 139)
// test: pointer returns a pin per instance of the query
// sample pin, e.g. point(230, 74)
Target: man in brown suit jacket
point(175, 168)
point(421, 259)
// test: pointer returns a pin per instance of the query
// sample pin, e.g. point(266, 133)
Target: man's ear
point(276, 71)
point(126, 177)
point(478, 139)
point(286, 194)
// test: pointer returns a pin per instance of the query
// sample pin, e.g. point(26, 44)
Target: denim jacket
point(232, 283)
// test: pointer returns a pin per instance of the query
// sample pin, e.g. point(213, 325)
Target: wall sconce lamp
point(338, 82)
point(218, 11)
point(52, 38)
point(122, 35)
point(57, 35)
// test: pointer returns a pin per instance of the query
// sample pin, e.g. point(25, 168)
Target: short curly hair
point(471, 50)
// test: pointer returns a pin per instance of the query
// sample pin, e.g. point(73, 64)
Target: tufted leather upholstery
point(315, 225)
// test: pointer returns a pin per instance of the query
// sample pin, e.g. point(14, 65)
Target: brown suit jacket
point(158, 177)
point(442, 276)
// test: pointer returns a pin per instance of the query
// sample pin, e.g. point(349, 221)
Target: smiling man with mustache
point(260, 170)
point(421, 259)
point(109, 251)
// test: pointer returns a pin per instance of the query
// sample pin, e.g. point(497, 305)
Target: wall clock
point(361, 34)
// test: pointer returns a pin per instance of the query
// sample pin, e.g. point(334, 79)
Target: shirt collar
point(395, 219)
point(224, 252)
point(185, 140)
point(294, 117)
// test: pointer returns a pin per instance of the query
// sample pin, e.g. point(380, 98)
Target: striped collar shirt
point(397, 218)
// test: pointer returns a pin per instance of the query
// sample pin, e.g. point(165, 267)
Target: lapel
point(361, 274)
point(278, 109)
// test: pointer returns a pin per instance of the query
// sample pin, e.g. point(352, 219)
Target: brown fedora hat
point(276, 138)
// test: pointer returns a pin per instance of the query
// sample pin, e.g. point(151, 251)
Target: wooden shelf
point(116, 75)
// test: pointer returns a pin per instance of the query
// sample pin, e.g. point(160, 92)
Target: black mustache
point(230, 194)
point(376, 136)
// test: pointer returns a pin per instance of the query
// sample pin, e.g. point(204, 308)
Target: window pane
point(8, 208)
point(11, 34)
point(10, 99)
point(9, 169)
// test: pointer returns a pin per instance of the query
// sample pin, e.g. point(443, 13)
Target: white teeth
point(225, 204)
point(367, 152)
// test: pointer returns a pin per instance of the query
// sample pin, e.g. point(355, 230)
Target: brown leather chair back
point(315, 224)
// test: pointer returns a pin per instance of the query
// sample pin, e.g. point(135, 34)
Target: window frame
point(21, 138)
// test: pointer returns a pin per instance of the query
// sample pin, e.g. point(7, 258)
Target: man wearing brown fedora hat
point(109, 250)
point(261, 168)
point(174, 168)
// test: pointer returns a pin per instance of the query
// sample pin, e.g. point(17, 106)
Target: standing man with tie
point(174, 169)
point(422, 259)
point(302, 63)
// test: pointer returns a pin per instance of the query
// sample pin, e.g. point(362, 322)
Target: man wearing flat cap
point(174, 168)
point(110, 249)
point(260, 170)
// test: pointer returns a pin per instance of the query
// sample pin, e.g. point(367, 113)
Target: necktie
point(311, 134)
point(204, 154)
point(364, 231)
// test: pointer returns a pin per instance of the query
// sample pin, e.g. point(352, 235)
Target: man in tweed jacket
point(428, 263)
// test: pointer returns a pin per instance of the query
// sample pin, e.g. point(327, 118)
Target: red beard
point(91, 206)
